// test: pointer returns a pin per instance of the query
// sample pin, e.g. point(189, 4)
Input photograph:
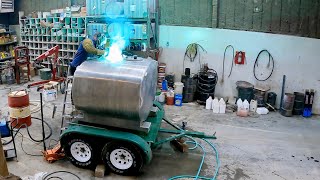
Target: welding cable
point(24, 125)
point(197, 176)
point(21, 144)
point(49, 176)
point(256, 65)
point(224, 59)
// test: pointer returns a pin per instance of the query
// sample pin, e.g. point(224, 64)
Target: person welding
point(87, 47)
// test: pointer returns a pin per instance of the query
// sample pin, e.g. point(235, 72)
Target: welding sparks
point(115, 51)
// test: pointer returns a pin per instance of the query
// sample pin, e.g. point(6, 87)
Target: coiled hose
point(197, 176)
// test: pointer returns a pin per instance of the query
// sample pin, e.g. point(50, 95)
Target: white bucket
point(178, 87)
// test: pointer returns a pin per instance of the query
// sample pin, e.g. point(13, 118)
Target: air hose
point(197, 176)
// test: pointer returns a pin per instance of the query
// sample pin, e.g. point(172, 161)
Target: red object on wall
point(240, 57)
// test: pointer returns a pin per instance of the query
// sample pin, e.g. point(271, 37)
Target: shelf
point(4, 59)
point(50, 42)
point(8, 43)
point(7, 32)
point(117, 19)
point(61, 50)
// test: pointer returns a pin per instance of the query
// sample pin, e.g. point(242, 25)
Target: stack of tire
point(206, 85)
point(161, 74)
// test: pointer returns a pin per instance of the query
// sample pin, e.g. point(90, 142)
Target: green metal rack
point(67, 33)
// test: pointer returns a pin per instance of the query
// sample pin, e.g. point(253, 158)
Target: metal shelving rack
point(67, 34)
point(151, 21)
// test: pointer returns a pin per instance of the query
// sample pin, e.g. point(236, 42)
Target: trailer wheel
point(81, 152)
point(122, 158)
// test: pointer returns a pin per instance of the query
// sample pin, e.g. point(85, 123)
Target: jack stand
point(54, 154)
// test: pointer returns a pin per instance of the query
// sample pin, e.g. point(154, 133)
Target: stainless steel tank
point(116, 94)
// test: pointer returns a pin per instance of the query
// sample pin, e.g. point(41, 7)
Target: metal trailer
point(123, 151)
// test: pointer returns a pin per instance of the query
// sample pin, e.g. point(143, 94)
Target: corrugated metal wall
point(295, 17)
point(186, 12)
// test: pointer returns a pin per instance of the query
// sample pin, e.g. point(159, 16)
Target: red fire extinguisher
point(240, 57)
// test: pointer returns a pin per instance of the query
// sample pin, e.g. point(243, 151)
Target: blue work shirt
point(81, 55)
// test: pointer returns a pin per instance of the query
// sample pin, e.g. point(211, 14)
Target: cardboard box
point(50, 95)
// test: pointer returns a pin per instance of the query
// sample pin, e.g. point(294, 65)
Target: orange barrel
point(19, 108)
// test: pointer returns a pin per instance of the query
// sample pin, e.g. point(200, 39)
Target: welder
point(87, 47)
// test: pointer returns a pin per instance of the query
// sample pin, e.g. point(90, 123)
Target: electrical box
point(6, 6)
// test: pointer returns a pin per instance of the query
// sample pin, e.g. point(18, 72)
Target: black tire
point(87, 147)
point(129, 152)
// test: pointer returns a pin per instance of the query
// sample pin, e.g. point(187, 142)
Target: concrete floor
point(268, 147)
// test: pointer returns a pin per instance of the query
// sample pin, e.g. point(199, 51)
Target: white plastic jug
point(239, 104)
point(162, 98)
point(253, 105)
point(178, 87)
point(215, 105)
point(209, 103)
point(222, 106)
point(246, 105)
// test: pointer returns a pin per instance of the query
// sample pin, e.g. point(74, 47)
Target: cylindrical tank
point(298, 103)
point(287, 104)
point(19, 109)
point(272, 97)
point(123, 90)
point(245, 90)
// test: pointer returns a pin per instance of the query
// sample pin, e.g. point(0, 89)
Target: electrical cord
point(47, 176)
point(197, 176)
point(21, 144)
point(224, 59)
point(256, 65)
point(192, 51)
point(54, 177)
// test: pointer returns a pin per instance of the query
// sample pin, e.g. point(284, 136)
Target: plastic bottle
point(239, 104)
point(246, 105)
point(162, 98)
point(209, 103)
point(222, 106)
point(215, 105)
point(253, 105)
point(164, 85)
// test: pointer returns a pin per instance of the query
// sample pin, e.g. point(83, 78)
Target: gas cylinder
point(253, 105)
point(215, 105)
point(222, 106)
point(19, 109)
point(209, 103)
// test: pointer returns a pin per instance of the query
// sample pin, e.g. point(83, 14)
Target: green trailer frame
point(144, 141)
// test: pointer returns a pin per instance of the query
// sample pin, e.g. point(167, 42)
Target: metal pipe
point(43, 133)
point(282, 91)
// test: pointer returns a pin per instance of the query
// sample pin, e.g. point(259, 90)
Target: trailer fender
point(109, 134)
